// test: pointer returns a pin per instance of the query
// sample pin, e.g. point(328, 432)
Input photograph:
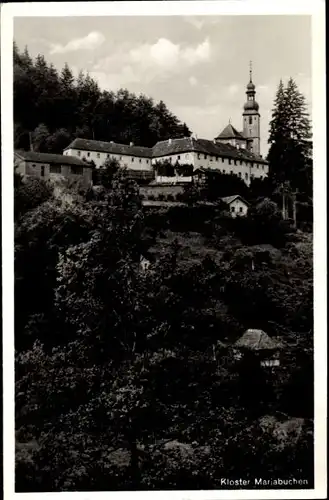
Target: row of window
point(229, 160)
point(108, 156)
point(240, 209)
point(216, 158)
point(57, 169)
point(240, 174)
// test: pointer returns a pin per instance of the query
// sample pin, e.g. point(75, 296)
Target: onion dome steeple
point(251, 104)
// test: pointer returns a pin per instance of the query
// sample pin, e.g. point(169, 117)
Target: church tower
point(251, 118)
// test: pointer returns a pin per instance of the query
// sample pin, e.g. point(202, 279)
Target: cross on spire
point(250, 70)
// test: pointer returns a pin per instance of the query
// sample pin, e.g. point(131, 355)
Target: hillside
point(127, 377)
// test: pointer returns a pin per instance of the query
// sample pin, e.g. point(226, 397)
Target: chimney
point(169, 141)
point(131, 144)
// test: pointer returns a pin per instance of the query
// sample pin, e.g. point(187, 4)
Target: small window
point(108, 155)
point(79, 153)
point(178, 157)
point(262, 167)
point(232, 209)
point(88, 154)
point(257, 166)
point(140, 160)
point(224, 171)
point(222, 160)
point(205, 157)
point(240, 209)
point(198, 156)
point(42, 171)
point(98, 155)
point(217, 158)
point(252, 164)
point(231, 172)
point(55, 169)
point(210, 158)
point(246, 176)
point(234, 162)
point(229, 161)
point(132, 159)
point(76, 170)
point(240, 175)
point(241, 162)
point(147, 161)
point(250, 120)
point(33, 165)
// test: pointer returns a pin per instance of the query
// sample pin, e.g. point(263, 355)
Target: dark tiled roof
point(189, 144)
point(169, 147)
point(229, 199)
point(229, 132)
point(49, 158)
point(110, 147)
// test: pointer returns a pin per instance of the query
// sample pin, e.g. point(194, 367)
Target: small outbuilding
point(258, 343)
point(237, 204)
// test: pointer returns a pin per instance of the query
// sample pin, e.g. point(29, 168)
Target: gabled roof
point(110, 147)
point(230, 199)
point(204, 146)
point(257, 340)
point(166, 148)
point(49, 158)
point(229, 132)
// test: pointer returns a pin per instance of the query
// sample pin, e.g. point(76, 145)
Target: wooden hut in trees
point(258, 344)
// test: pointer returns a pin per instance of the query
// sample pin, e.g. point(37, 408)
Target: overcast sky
point(198, 66)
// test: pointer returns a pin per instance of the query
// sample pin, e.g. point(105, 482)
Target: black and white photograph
point(162, 176)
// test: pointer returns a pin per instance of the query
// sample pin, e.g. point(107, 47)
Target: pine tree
point(290, 137)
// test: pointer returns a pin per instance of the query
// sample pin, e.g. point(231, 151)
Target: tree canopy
point(55, 107)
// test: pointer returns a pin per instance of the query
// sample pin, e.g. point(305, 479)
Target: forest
point(127, 378)
point(52, 108)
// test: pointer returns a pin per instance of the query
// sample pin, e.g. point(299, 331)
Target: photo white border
point(315, 8)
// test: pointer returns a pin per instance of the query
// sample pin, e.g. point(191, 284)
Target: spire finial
point(250, 70)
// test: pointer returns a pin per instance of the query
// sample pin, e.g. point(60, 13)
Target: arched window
point(250, 120)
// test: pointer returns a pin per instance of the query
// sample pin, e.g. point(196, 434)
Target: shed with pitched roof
point(266, 348)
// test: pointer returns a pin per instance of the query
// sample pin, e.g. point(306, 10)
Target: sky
point(199, 66)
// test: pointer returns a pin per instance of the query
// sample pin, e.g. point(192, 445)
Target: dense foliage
point(126, 316)
point(126, 377)
point(51, 109)
point(290, 153)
